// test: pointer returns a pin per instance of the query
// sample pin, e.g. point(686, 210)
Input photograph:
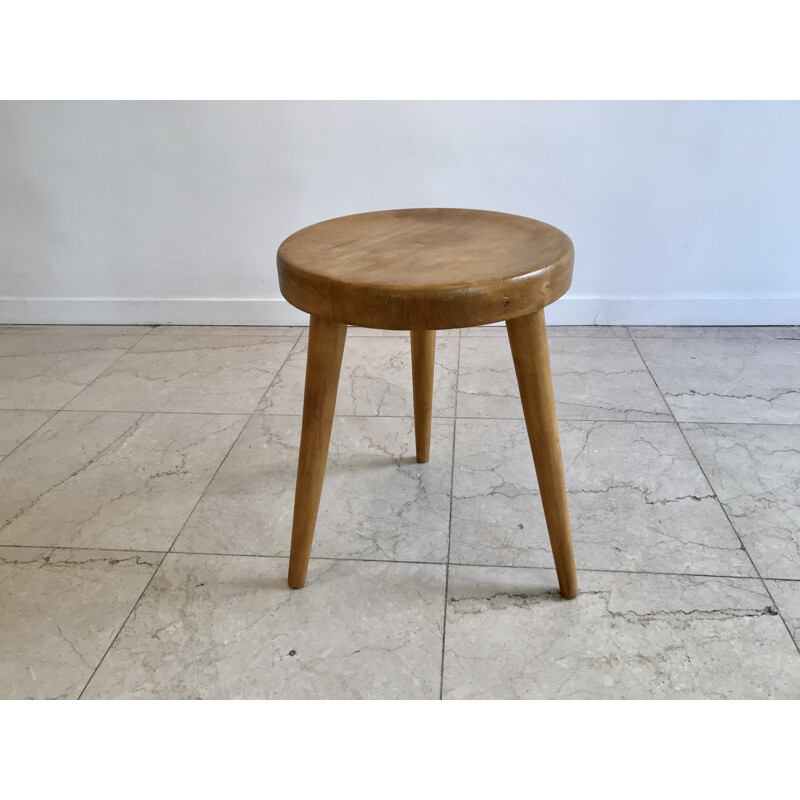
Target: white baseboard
point(276, 311)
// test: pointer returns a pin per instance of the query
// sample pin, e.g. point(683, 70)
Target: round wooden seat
point(425, 268)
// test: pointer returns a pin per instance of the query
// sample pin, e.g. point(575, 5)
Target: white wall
point(172, 212)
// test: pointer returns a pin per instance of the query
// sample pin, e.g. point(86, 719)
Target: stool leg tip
point(295, 582)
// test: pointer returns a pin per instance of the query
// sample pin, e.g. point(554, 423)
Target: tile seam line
point(249, 416)
point(354, 560)
point(141, 411)
point(140, 339)
point(478, 333)
point(722, 506)
point(670, 421)
point(32, 433)
point(450, 514)
point(119, 630)
point(96, 377)
point(163, 557)
point(10, 327)
point(58, 410)
point(744, 547)
point(183, 526)
point(749, 338)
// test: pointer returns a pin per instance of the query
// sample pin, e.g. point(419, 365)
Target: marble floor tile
point(755, 471)
point(17, 426)
point(557, 331)
point(787, 598)
point(375, 379)
point(727, 380)
point(189, 372)
point(46, 370)
point(637, 500)
point(71, 330)
point(110, 479)
point(229, 627)
point(715, 332)
point(510, 635)
point(59, 612)
point(602, 378)
point(377, 501)
point(286, 331)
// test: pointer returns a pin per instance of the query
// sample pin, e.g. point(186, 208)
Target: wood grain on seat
point(426, 268)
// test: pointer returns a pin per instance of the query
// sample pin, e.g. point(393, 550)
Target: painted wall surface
point(681, 212)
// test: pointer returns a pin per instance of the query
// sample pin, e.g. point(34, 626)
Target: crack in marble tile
point(60, 612)
point(625, 636)
point(376, 501)
point(754, 470)
point(223, 373)
point(592, 378)
point(117, 479)
point(725, 380)
point(113, 445)
point(776, 395)
point(504, 600)
point(637, 498)
point(375, 379)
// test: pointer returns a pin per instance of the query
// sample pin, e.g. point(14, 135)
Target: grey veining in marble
point(59, 611)
point(229, 627)
point(16, 426)
point(377, 501)
point(787, 597)
point(637, 500)
point(375, 378)
point(46, 370)
point(190, 372)
point(557, 331)
point(727, 380)
point(755, 470)
point(715, 332)
point(111, 479)
point(593, 378)
point(510, 635)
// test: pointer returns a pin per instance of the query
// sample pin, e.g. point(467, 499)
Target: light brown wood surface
point(423, 353)
point(425, 269)
point(528, 339)
point(324, 362)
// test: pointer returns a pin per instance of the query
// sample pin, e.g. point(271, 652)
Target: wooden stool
point(422, 270)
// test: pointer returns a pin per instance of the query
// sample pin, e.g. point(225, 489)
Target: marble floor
point(146, 488)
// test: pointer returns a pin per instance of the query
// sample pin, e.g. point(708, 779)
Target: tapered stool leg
point(528, 340)
point(325, 348)
point(423, 351)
